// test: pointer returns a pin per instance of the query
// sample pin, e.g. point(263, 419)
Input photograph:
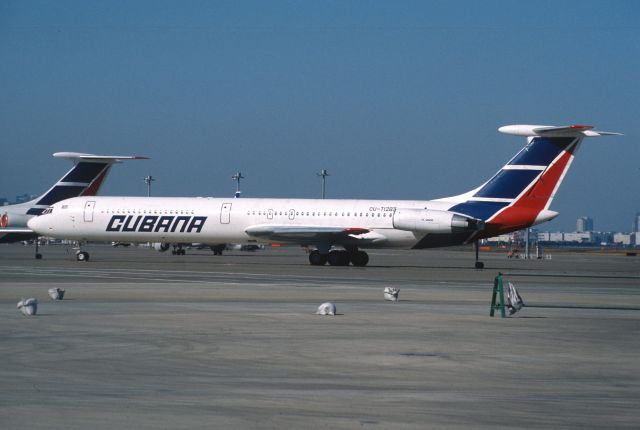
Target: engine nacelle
point(161, 246)
point(434, 221)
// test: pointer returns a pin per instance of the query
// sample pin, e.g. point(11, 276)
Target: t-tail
point(519, 195)
point(84, 179)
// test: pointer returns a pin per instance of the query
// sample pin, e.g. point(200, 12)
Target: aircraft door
point(225, 213)
point(270, 214)
point(88, 211)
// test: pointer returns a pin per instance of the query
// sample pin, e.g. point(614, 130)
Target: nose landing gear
point(82, 255)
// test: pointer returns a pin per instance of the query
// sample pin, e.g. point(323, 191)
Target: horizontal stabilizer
point(93, 157)
point(528, 130)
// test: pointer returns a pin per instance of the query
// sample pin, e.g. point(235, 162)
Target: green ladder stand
point(498, 290)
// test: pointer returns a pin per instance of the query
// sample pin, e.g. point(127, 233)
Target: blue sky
point(395, 99)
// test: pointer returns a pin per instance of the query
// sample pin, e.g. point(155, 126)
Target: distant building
point(624, 239)
point(3, 201)
point(579, 237)
point(556, 236)
point(503, 238)
point(636, 222)
point(584, 223)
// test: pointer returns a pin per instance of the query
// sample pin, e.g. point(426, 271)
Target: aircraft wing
point(306, 234)
point(9, 235)
point(17, 230)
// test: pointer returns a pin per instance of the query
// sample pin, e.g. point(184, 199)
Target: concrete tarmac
point(147, 340)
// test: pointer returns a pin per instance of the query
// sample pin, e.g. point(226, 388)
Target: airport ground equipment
point(498, 292)
point(514, 301)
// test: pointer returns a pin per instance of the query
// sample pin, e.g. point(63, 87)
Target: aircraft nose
point(38, 224)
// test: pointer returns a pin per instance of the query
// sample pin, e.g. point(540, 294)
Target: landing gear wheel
point(338, 258)
point(182, 252)
point(82, 256)
point(359, 258)
point(479, 265)
point(317, 259)
point(38, 256)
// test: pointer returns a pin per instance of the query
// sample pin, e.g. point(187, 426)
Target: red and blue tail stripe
point(84, 179)
point(514, 197)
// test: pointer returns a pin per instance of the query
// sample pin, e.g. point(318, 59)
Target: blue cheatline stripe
point(84, 172)
point(479, 210)
point(541, 151)
point(35, 211)
point(61, 192)
point(507, 184)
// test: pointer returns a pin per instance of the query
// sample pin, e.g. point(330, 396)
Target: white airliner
point(84, 179)
point(516, 197)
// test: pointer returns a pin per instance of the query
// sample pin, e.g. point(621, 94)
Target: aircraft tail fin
point(519, 194)
point(84, 179)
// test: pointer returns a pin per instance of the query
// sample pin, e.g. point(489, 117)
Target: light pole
point(236, 177)
point(148, 180)
point(323, 173)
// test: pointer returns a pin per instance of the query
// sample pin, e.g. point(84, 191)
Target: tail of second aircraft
point(519, 195)
point(84, 179)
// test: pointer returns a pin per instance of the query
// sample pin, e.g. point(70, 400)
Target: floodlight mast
point(148, 180)
point(323, 174)
point(236, 177)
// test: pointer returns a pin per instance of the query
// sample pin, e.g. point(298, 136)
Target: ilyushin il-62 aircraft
point(516, 197)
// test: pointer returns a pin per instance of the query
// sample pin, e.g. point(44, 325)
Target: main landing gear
point(217, 249)
point(178, 250)
point(339, 258)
